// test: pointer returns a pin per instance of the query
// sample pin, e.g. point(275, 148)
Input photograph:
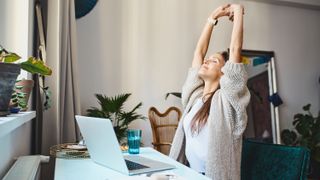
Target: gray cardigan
point(227, 121)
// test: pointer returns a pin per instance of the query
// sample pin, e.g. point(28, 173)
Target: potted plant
point(307, 134)
point(10, 69)
point(18, 100)
point(24, 86)
point(112, 108)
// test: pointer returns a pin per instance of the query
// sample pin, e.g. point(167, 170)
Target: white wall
point(14, 144)
point(145, 47)
point(16, 32)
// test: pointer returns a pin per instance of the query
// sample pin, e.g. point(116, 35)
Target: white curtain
point(58, 123)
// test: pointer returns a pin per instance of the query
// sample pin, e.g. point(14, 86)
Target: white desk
point(70, 169)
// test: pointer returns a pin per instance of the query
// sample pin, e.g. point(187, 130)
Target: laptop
point(104, 148)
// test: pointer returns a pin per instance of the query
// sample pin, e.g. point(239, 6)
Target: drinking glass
point(134, 137)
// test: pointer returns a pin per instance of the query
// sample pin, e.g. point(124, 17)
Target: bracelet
point(212, 21)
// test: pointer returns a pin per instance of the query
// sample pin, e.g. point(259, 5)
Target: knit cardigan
point(227, 121)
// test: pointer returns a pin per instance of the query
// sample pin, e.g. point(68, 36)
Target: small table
point(70, 169)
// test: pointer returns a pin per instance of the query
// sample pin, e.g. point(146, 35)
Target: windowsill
point(13, 121)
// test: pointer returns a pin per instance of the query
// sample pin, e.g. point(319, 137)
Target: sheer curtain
point(58, 122)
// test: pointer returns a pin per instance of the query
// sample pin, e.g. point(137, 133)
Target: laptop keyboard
point(134, 166)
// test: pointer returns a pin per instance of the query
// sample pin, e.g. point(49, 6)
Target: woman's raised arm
point(236, 14)
point(203, 42)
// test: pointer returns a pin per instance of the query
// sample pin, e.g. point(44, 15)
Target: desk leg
point(47, 169)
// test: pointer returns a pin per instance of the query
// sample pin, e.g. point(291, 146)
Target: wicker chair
point(163, 126)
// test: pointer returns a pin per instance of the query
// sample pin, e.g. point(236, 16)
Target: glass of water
point(134, 137)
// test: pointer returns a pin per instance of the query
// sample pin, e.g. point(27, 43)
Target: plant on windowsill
point(308, 128)
point(18, 100)
point(32, 65)
point(112, 108)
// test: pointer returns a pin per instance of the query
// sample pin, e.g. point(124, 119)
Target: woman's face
point(211, 67)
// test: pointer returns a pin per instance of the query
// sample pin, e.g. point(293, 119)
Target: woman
point(214, 97)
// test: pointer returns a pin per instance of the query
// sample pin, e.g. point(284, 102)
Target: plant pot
point(8, 75)
point(14, 109)
point(27, 88)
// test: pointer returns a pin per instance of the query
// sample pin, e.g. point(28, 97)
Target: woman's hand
point(221, 11)
point(235, 9)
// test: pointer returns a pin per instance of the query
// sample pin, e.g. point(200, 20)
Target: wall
point(145, 47)
point(16, 32)
point(14, 144)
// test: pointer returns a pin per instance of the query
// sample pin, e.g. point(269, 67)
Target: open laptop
point(104, 148)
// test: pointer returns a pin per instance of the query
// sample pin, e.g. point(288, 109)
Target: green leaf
point(11, 57)
point(21, 95)
point(288, 137)
point(112, 104)
point(177, 94)
point(297, 118)
point(22, 104)
point(316, 154)
point(34, 66)
point(18, 87)
point(306, 107)
point(120, 133)
point(316, 137)
point(303, 129)
point(94, 112)
point(137, 107)
point(304, 142)
point(130, 117)
point(317, 121)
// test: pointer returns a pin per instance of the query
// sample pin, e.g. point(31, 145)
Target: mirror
point(263, 112)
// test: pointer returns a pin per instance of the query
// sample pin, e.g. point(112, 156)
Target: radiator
point(26, 168)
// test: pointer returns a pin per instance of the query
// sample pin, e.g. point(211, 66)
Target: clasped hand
point(228, 10)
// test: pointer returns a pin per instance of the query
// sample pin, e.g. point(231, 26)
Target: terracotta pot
point(27, 88)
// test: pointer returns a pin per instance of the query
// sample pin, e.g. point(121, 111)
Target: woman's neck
point(209, 87)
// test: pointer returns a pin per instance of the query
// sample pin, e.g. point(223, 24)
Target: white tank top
point(196, 144)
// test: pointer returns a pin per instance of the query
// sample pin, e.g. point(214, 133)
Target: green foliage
point(47, 102)
point(18, 98)
point(177, 94)
point(112, 108)
point(9, 58)
point(308, 128)
point(32, 65)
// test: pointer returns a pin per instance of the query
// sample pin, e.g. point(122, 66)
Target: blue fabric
point(264, 161)
point(275, 99)
point(261, 60)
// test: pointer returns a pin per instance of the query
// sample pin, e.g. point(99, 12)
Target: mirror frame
point(274, 110)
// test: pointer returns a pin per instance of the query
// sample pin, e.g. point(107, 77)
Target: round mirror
point(83, 7)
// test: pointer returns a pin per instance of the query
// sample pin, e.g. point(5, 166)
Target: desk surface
point(86, 169)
